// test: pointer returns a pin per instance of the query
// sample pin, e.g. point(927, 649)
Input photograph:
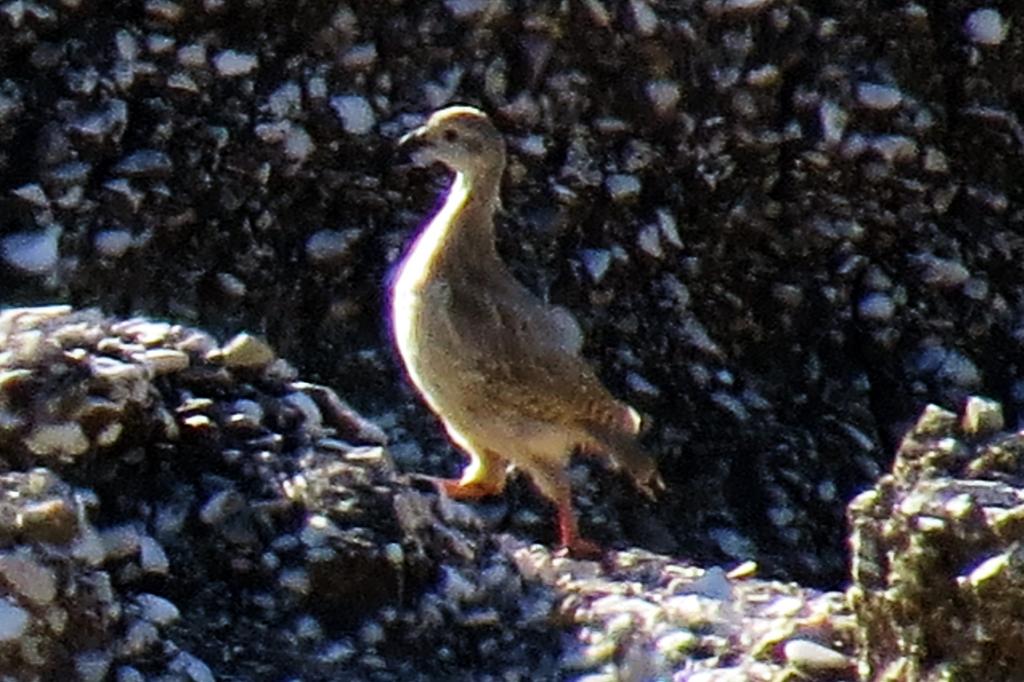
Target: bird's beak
point(412, 139)
point(414, 145)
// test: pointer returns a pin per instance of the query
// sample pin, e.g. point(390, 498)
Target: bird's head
point(462, 138)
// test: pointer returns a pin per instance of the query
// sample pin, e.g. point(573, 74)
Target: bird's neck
point(462, 232)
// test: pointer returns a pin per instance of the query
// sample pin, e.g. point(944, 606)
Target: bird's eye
point(451, 135)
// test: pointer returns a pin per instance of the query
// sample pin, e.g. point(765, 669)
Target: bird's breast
point(418, 319)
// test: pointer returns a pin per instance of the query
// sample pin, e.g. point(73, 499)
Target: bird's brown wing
point(527, 363)
point(527, 353)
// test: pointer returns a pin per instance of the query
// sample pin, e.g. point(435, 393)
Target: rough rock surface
point(176, 509)
point(937, 566)
point(152, 476)
point(786, 226)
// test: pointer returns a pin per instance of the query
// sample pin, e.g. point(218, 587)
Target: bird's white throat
point(415, 268)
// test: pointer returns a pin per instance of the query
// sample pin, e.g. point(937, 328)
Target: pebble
point(105, 125)
point(152, 557)
point(457, 589)
point(645, 20)
point(145, 163)
point(879, 97)
point(355, 113)
point(66, 438)
point(807, 655)
point(833, 119)
point(52, 520)
point(714, 584)
point(28, 578)
point(285, 101)
point(895, 148)
point(692, 610)
point(976, 288)
point(986, 26)
point(295, 580)
point(88, 547)
point(982, 416)
point(113, 370)
point(640, 385)
point(120, 542)
point(146, 332)
point(13, 621)
point(246, 414)
point(731, 404)
point(231, 64)
point(596, 262)
point(125, 192)
point(941, 272)
point(92, 666)
point(231, 285)
point(738, 6)
point(165, 360)
point(622, 187)
point(247, 351)
point(664, 96)
point(992, 571)
point(532, 145)
point(935, 161)
point(192, 56)
point(33, 253)
point(669, 228)
point(194, 668)
point(675, 645)
point(960, 370)
point(160, 44)
point(599, 14)
point(615, 605)
point(312, 417)
point(469, 9)
point(371, 634)
point(763, 76)
point(877, 307)
point(127, 673)
point(33, 194)
point(112, 244)
point(649, 241)
point(733, 543)
point(220, 507)
point(139, 638)
point(328, 246)
point(360, 57)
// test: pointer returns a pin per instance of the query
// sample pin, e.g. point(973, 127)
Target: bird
point(501, 368)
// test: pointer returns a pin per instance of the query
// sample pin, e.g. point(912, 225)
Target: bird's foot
point(569, 537)
point(472, 490)
point(581, 548)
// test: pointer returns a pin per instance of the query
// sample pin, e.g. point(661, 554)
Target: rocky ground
point(172, 508)
point(785, 228)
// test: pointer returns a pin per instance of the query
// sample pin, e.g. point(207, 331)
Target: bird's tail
point(626, 453)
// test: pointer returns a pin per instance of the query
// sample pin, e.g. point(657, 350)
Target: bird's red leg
point(569, 536)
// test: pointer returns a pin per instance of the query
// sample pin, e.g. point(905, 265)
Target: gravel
point(800, 178)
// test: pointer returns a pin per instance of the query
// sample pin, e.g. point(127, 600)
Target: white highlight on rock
point(34, 253)
point(231, 63)
point(355, 113)
point(986, 26)
point(877, 306)
point(325, 246)
point(112, 243)
point(13, 621)
point(878, 96)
